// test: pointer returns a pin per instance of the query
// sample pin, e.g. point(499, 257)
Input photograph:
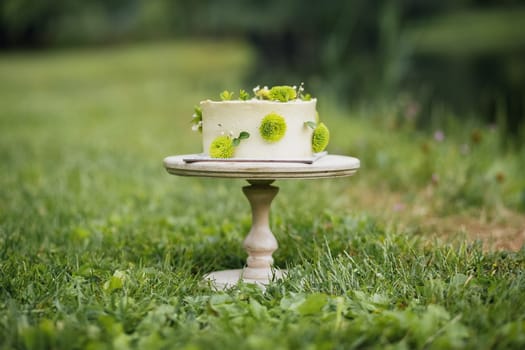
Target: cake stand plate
point(194, 158)
point(260, 243)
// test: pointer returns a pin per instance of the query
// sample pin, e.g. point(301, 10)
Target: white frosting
point(232, 117)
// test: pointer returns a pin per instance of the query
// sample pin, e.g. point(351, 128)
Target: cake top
point(279, 93)
point(267, 108)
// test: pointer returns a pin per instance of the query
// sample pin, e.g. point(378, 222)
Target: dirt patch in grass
point(498, 228)
point(507, 232)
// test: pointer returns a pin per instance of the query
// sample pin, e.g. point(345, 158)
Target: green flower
point(262, 94)
point(320, 138)
point(273, 127)
point(222, 147)
point(283, 93)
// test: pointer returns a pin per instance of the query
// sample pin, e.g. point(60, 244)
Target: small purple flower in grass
point(398, 206)
point(439, 136)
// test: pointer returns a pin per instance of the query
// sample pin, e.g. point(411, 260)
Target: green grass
point(101, 248)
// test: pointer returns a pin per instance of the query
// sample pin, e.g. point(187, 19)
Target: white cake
point(230, 118)
point(280, 123)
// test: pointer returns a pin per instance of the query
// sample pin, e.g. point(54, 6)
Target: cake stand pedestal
point(260, 242)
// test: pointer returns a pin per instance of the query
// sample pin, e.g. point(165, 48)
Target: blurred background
point(464, 56)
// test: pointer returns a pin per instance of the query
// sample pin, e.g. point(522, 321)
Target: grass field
point(100, 248)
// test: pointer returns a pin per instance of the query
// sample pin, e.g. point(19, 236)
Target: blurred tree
point(43, 23)
point(474, 59)
point(466, 54)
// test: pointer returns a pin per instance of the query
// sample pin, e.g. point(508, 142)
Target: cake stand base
point(230, 278)
point(260, 242)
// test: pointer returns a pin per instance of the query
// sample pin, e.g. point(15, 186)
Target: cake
point(280, 123)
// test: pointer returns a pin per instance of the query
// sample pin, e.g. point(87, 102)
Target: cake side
point(233, 117)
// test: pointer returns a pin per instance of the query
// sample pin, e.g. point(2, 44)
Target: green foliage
point(311, 124)
point(226, 95)
point(282, 93)
point(276, 93)
point(222, 147)
point(461, 165)
point(101, 249)
point(197, 119)
point(273, 127)
point(243, 135)
point(306, 97)
point(243, 95)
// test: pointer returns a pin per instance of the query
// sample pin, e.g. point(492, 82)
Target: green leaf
point(244, 135)
point(310, 124)
point(243, 95)
point(226, 95)
point(198, 111)
point(257, 310)
point(236, 142)
point(114, 283)
point(313, 304)
point(292, 301)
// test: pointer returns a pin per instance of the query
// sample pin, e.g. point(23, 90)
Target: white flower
point(197, 126)
point(255, 89)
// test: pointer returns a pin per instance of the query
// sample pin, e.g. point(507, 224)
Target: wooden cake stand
point(260, 242)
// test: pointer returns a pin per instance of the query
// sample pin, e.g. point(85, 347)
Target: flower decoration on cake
point(320, 138)
point(261, 94)
point(274, 115)
point(197, 119)
point(283, 93)
point(279, 93)
point(320, 135)
point(244, 95)
point(226, 95)
point(224, 146)
point(273, 127)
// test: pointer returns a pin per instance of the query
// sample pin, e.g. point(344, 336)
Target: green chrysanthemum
point(320, 138)
point(283, 93)
point(222, 147)
point(273, 127)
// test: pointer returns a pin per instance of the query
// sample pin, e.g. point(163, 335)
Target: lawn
point(100, 248)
